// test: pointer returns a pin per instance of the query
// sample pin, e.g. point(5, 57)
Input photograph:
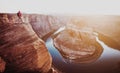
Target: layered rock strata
point(20, 47)
point(2, 65)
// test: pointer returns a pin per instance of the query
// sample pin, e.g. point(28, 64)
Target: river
point(108, 62)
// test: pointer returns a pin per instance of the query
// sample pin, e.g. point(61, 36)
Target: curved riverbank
point(107, 62)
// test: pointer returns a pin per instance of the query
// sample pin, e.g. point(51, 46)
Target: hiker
point(19, 14)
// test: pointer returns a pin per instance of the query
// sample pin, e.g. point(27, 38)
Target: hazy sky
point(62, 6)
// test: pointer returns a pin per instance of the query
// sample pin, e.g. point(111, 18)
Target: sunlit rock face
point(78, 46)
point(108, 27)
point(21, 48)
point(2, 65)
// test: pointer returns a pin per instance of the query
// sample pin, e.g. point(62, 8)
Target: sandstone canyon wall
point(2, 65)
point(20, 47)
point(107, 27)
point(45, 24)
point(41, 24)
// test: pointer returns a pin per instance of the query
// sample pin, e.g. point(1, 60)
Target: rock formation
point(44, 25)
point(2, 65)
point(23, 51)
point(108, 27)
point(41, 24)
point(21, 48)
point(78, 46)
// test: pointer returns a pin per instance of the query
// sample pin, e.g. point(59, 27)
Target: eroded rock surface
point(78, 46)
point(2, 65)
point(44, 25)
point(108, 27)
point(41, 24)
point(21, 48)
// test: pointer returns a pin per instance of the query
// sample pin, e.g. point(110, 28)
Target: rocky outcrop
point(24, 51)
point(41, 24)
point(2, 65)
point(78, 46)
point(21, 48)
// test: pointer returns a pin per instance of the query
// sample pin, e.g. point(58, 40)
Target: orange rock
point(77, 46)
point(22, 49)
point(2, 65)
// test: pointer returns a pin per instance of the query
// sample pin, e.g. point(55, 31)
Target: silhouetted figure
point(19, 14)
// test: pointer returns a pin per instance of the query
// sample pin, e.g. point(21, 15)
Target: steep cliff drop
point(22, 50)
point(44, 25)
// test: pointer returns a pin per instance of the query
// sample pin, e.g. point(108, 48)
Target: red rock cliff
point(20, 47)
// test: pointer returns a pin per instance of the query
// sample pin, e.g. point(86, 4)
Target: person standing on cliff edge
point(19, 14)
